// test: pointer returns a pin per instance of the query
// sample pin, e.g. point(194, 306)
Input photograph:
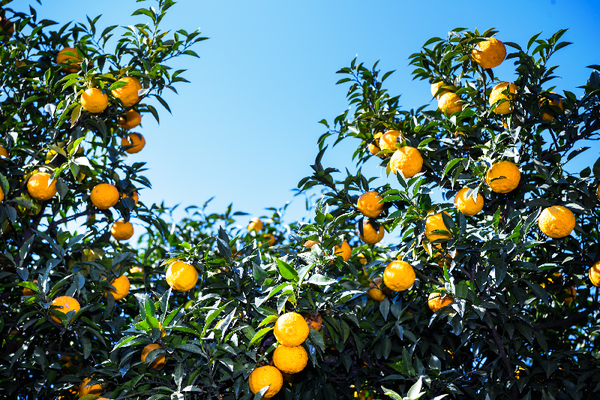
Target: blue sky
point(245, 129)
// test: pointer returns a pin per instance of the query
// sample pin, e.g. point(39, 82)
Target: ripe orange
point(407, 160)
point(3, 154)
point(85, 388)
point(291, 329)
point(6, 28)
point(369, 234)
point(39, 186)
point(449, 103)
point(465, 204)
point(369, 204)
point(314, 321)
point(104, 196)
point(128, 94)
point(598, 192)
point(399, 275)
point(158, 362)
point(498, 94)
point(290, 360)
point(135, 196)
point(131, 120)
point(121, 287)
point(375, 291)
point(94, 100)
point(433, 223)
point(556, 222)
point(310, 243)
point(435, 88)
point(74, 59)
point(344, 251)
point(595, 274)
point(555, 101)
point(270, 238)
point(439, 300)
point(27, 291)
point(374, 145)
point(489, 54)
point(503, 177)
point(255, 225)
point(63, 304)
point(389, 139)
point(181, 276)
point(1, 195)
point(121, 230)
point(133, 139)
point(266, 376)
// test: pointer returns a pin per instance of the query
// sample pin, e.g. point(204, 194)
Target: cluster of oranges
point(256, 225)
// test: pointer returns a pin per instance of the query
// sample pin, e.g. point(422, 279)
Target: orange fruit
point(159, 361)
point(555, 101)
point(435, 88)
point(465, 204)
point(290, 360)
point(310, 243)
point(135, 196)
point(266, 376)
point(85, 388)
point(133, 139)
point(6, 28)
point(131, 119)
point(375, 291)
point(255, 225)
point(489, 53)
point(556, 222)
point(39, 186)
point(433, 223)
point(136, 270)
point(374, 145)
point(369, 204)
point(121, 287)
point(128, 94)
point(104, 196)
point(362, 259)
point(595, 274)
point(121, 230)
point(74, 59)
point(181, 276)
point(369, 234)
point(439, 300)
point(439, 254)
point(3, 154)
point(399, 275)
point(449, 103)
point(571, 294)
point(389, 139)
point(498, 93)
point(314, 321)
point(291, 329)
point(1, 195)
point(598, 192)
point(27, 291)
point(63, 304)
point(94, 100)
point(503, 177)
point(344, 251)
point(407, 160)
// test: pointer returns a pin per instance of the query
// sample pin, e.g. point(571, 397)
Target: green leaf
point(258, 335)
point(286, 270)
point(318, 279)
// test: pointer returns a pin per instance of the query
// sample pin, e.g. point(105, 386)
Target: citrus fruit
point(489, 53)
point(291, 329)
point(266, 376)
point(181, 276)
point(465, 204)
point(314, 321)
point(121, 230)
point(310, 243)
point(70, 56)
point(104, 196)
point(290, 360)
point(133, 139)
point(433, 223)
point(374, 145)
point(39, 186)
point(545, 102)
point(449, 103)
point(435, 88)
point(131, 119)
point(121, 287)
point(86, 388)
point(369, 204)
point(3, 154)
point(571, 294)
point(375, 291)
point(344, 251)
point(1, 195)
point(399, 275)
point(498, 94)
point(63, 304)
point(135, 196)
point(94, 100)
point(6, 28)
point(438, 255)
point(388, 140)
point(503, 177)
point(369, 235)
point(407, 160)
point(255, 225)
point(556, 222)
point(27, 291)
point(128, 94)
point(439, 300)
point(159, 361)
point(594, 274)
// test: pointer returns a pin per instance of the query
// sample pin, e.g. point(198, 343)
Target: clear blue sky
point(245, 129)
